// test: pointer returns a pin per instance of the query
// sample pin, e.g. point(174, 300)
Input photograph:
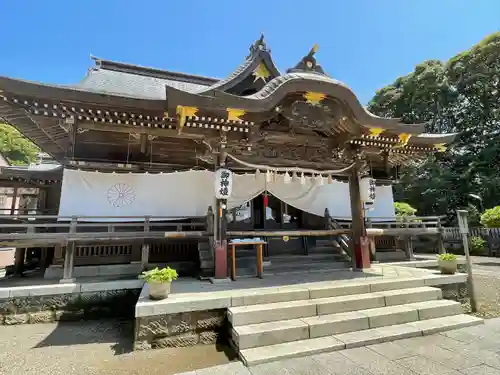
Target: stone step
point(319, 257)
point(324, 250)
point(390, 256)
point(270, 353)
point(273, 268)
point(277, 268)
point(270, 312)
point(271, 333)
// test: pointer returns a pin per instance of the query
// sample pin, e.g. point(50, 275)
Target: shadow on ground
point(488, 264)
point(118, 333)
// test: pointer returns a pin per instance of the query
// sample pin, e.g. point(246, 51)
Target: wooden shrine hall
point(140, 150)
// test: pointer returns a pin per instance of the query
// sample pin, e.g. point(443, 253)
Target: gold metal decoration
point(441, 147)
point(315, 48)
point(404, 138)
point(184, 112)
point(261, 72)
point(234, 114)
point(375, 132)
point(314, 98)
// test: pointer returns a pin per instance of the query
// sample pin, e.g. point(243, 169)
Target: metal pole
point(464, 230)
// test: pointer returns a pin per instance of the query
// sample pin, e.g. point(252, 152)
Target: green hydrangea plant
point(447, 256)
point(156, 275)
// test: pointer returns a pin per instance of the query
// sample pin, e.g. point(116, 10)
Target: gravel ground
point(94, 348)
point(487, 290)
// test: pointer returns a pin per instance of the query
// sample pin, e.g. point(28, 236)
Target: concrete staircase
point(286, 325)
point(326, 255)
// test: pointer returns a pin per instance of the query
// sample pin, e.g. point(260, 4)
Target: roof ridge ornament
point(259, 45)
point(308, 63)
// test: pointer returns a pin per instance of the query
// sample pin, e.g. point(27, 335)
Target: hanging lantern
point(223, 183)
point(302, 179)
point(294, 176)
point(286, 178)
point(320, 180)
point(275, 176)
point(257, 174)
point(330, 180)
point(367, 190)
point(266, 200)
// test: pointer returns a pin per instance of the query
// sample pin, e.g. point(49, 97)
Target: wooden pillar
point(360, 242)
point(14, 201)
point(408, 243)
point(19, 258)
point(440, 239)
point(221, 234)
point(58, 256)
point(371, 242)
point(69, 256)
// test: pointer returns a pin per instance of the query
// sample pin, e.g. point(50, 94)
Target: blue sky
point(365, 43)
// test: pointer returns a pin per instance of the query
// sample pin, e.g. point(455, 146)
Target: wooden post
point(371, 242)
point(221, 235)
point(145, 247)
point(19, 258)
point(14, 201)
point(360, 243)
point(69, 256)
point(58, 256)
point(440, 238)
point(327, 218)
point(221, 241)
point(210, 220)
point(408, 243)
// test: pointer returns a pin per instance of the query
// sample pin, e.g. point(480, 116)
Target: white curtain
point(188, 194)
point(311, 196)
point(178, 195)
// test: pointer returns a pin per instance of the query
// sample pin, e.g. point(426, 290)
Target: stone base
point(179, 330)
point(456, 292)
point(68, 307)
point(213, 280)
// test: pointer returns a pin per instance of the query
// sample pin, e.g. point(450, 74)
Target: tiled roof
point(132, 85)
point(122, 79)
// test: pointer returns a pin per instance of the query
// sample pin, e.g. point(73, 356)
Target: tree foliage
point(491, 218)
point(15, 148)
point(404, 209)
point(461, 95)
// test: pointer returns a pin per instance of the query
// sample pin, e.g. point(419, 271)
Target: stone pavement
point(469, 351)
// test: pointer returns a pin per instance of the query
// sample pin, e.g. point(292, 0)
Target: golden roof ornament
point(308, 63)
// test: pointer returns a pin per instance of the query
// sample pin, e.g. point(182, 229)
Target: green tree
point(461, 95)
point(491, 218)
point(404, 209)
point(15, 148)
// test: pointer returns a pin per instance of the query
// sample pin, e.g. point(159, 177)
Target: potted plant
point(159, 281)
point(447, 263)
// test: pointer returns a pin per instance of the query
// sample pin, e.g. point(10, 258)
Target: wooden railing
point(103, 254)
point(390, 233)
point(91, 240)
point(48, 230)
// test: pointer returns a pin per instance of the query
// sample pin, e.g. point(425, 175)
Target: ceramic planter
point(158, 291)
point(447, 267)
